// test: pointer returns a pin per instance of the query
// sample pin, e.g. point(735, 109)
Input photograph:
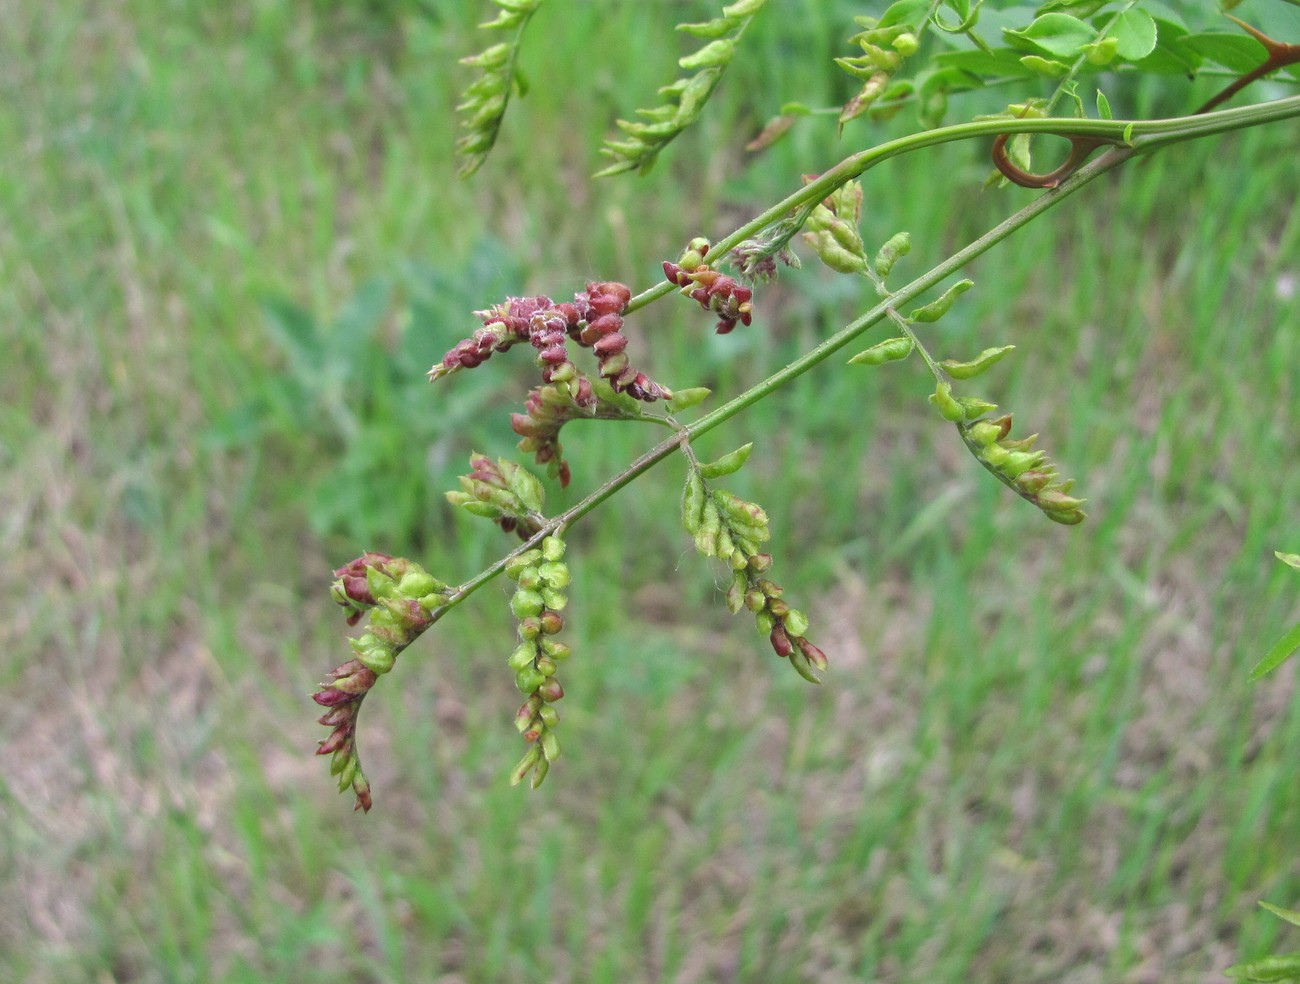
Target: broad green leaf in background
point(1135, 30)
point(1056, 34)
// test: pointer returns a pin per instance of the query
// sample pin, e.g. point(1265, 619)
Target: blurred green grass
point(1036, 757)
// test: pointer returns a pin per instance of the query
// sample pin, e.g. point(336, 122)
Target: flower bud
point(550, 690)
point(796, 622)
point(531, 758)
point(528, 679)
point(523, 656)
point(781, 643)
point(550, 745)
point(526, 603)
point(552, 548)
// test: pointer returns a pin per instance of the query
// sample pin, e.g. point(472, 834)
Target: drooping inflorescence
point(594, 320)
point(398, 595)
point(540, 577)
point(502, 491)
point(711, 289)
point(733, 530)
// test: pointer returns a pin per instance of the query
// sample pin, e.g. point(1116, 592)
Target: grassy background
point(1036, 757)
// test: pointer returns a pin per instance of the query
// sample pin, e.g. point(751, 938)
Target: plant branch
point(1128, 139)
point(1142, 136)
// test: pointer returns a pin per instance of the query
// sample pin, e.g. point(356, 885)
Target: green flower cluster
point(484, 101)
point(885, 43)
point(683, 100)
point(502, 491)
point(732, 529)
point(1026, 471)
point(540, 576)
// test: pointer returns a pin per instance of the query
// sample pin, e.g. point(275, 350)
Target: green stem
point(1142, 136)
point(1130, 139)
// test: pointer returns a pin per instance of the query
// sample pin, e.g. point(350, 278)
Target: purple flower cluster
point(594, 319)
point(711, 289)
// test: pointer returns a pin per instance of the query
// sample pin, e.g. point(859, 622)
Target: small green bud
point(530, 629)
point(726, 547)
point(765, 621)
point(555, 600)
point(539, 772)
point(549, 715)
point(550, 745)
point(713, 55)
point(528, 679)
point(938, 308)
point(523, 656)
point(416, 583)
point(736, 593)
point(546, 666)
point(1020, 462)
point(977, 365)
point(755, 600)
point(529, 579)
point(532, 757)
point(684, 399)
point(983, 432)
point(944, 402)
point(890, 350)
point(558, 651)
point(1069, 517)
point(898, 245)
point(995, 456)
point(554, 573)
point(526, 603)
point(379, 658)
point(973, 407)
point(1102, 52)
point(515, 566)
point(906, 44)
point(1048, 67)
point(728, 463)
point(706, 543)
point(524, 484)
point(801, 666)
point(796, 622)
point(552, 548)
point(693, 497)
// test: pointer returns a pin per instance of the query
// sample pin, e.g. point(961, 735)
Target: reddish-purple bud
point(815, 656)
point(550, 690)
point(333, 697)
point(610, 344)
point(551, 622)
point(606, 324)
point(609, 291)
point(554, 355)
point(781, 643)
point(335, 741)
